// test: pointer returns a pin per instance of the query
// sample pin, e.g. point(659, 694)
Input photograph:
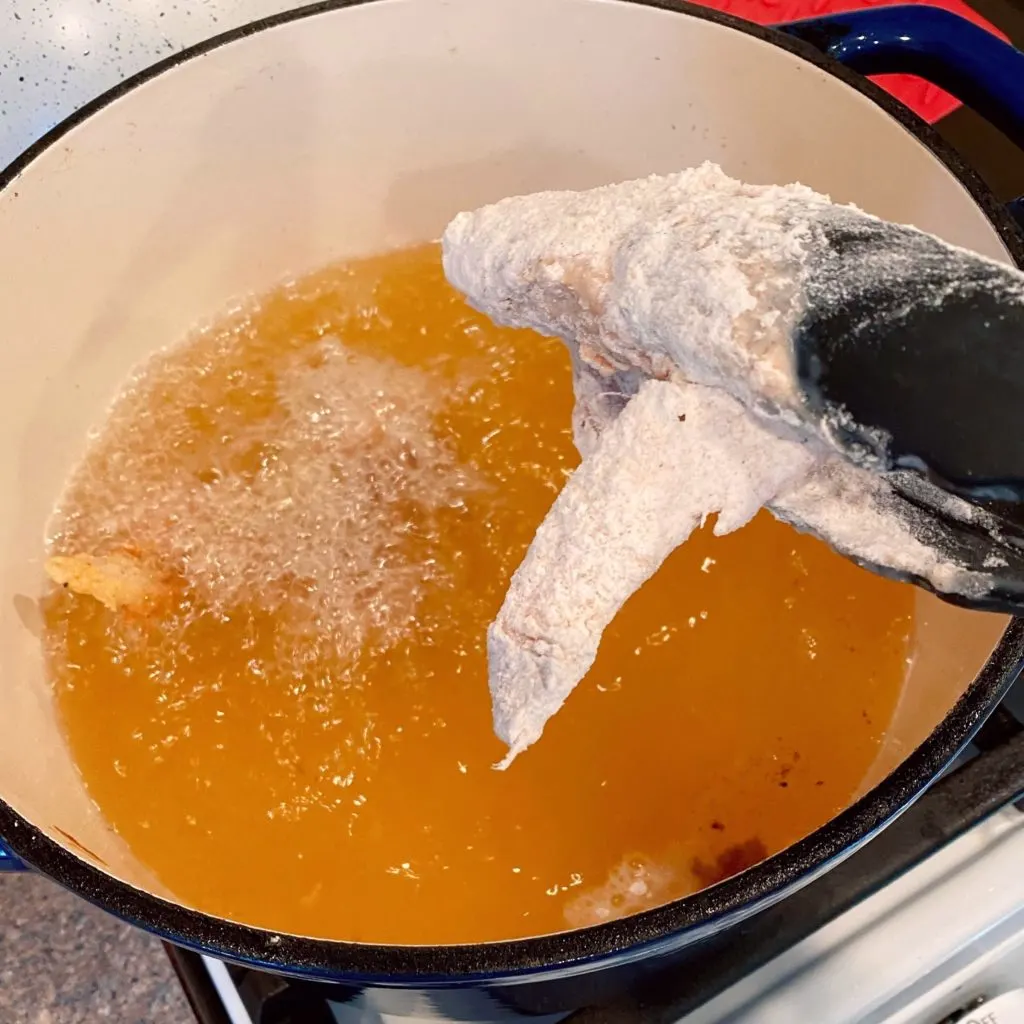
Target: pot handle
point(955, 54)
point(8, 862)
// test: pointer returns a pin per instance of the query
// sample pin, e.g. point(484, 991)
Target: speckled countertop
point(62, 961)
point(57, 54)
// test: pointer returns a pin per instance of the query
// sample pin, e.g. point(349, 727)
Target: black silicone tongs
point(910, 353)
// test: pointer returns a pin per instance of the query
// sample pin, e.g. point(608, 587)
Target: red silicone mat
point(926, 100)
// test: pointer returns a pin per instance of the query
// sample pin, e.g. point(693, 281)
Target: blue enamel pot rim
point(637, 937)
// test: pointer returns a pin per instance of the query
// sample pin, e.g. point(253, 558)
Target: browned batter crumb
point(116, 581)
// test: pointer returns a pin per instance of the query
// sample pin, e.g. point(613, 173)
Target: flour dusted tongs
point(910, 353)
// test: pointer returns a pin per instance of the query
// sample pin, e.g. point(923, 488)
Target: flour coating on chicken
point(650, 481)
point(676, 296)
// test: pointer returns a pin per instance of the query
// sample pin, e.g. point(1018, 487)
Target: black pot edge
point(566, 952)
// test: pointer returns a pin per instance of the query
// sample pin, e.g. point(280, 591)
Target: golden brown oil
point(737, 701)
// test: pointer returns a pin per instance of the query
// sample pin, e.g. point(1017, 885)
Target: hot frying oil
point(331, 488)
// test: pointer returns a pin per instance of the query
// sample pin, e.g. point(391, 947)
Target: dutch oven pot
point(346, 128)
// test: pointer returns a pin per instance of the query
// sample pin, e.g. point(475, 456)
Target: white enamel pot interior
point(347, 129)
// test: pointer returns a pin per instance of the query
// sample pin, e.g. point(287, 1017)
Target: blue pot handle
point(8, 862)
point(943, 48)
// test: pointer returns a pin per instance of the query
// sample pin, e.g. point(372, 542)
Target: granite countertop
point(65, 962)
point(58, 54)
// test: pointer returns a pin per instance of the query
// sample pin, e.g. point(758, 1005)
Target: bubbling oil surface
point(337, 483)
